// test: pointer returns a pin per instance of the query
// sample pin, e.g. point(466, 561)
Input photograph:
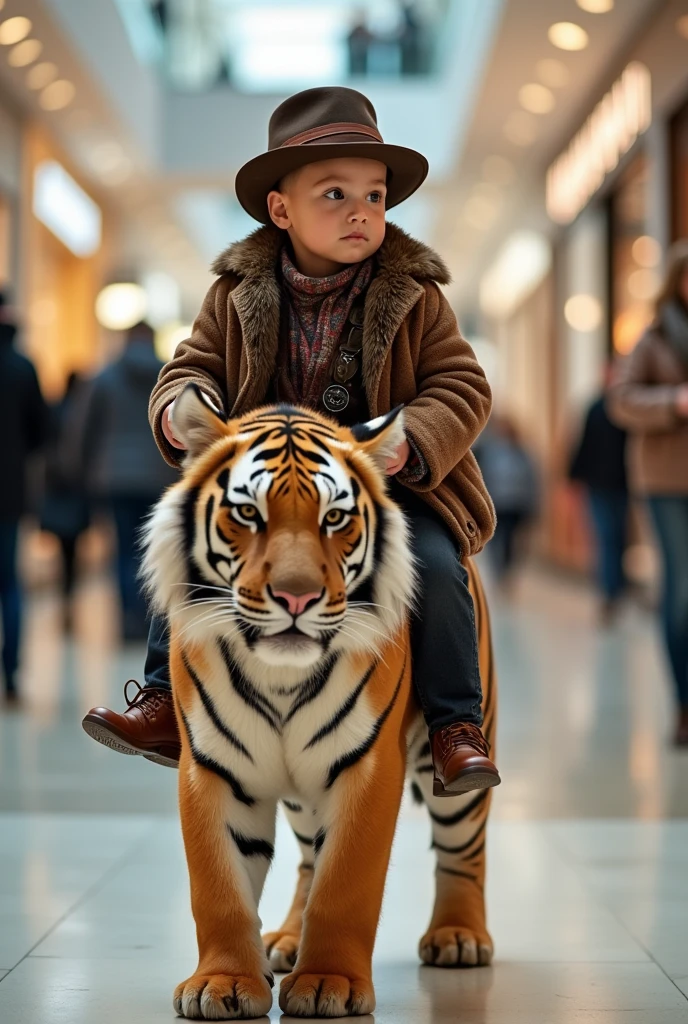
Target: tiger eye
point(248, 511)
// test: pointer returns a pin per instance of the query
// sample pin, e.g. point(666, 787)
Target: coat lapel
point(403, 263)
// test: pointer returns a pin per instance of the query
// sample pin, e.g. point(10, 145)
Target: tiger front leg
point(333, 973)
point(228, 849)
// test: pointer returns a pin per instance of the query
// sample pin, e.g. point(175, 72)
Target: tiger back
point(285, 570)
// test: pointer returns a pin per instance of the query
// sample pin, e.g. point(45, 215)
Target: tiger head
point(280, 538)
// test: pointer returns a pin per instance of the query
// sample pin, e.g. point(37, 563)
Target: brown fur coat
point(413, 354)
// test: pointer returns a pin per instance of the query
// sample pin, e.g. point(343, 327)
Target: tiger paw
point(455, 946)
point(326, 995)
point(223, 997)
point(282, 949)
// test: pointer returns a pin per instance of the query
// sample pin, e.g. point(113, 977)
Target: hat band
point(325, 130)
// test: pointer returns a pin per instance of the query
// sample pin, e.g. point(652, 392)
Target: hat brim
point(408, 170)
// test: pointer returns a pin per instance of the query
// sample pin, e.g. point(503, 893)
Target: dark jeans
point(10, 599)
point(670, 517)
point(129, 513)
point(609, 511)
point(443, 633)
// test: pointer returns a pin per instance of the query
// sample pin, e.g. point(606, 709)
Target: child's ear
point(381, 437)
point(196, 421)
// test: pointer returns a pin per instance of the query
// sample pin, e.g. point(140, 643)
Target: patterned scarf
point(316, 311)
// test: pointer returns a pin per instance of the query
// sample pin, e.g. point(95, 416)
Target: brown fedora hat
point(320, 124)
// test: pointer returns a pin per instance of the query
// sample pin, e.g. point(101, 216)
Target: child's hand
point(396, 464)
point(167, 427)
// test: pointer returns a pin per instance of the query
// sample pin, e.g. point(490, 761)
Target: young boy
point(283, 323)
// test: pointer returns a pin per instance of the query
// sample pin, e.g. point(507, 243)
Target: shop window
point(635, 258)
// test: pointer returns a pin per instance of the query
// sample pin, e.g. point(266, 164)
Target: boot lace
point(150, 700)
point(464, 732)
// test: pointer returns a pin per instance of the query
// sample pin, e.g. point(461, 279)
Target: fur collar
point(402, 264)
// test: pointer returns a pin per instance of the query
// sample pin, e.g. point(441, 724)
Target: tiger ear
point(197, 421)
point(381, 437)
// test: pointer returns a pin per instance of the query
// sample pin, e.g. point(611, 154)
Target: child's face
point(335, 209)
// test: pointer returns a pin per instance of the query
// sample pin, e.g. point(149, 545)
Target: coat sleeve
point(200, 360)
point(635, 402)
point(454, 398)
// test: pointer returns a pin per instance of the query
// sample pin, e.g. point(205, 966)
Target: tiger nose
point(296, 603)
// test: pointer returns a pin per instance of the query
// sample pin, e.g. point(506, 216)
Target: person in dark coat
point(599, 463)
point(65, 510)
point(23, 428)
point(125, 467)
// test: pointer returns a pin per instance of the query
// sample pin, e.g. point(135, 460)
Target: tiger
point(285, 571)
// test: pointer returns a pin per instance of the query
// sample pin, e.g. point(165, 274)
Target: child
point(275, 326)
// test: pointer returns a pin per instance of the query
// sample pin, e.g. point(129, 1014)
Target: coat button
point(470, 526)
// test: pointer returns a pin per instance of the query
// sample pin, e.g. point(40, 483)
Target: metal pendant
point(335, 398)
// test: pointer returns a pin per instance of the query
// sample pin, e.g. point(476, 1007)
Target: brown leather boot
point(148, 726)
point(460, 757)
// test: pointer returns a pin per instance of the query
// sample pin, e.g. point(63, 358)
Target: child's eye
point(340, 194)
point(377, 197)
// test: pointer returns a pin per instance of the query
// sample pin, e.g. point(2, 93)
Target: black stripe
point(318, 840)
point(252, 847)
point(346, 709)
point(464, 846)
point(463, 812)
point(313, 687)
point(476, 853)
point(424, 751)
point(458, 874)
point(306, 840)
point(213, 766)
point(416, 793)
point(212, 713)
point(246, 690)
point(421, 768)
point(355, 755)
point(294, 808)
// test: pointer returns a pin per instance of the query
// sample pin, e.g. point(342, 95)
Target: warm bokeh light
point(14, 30)
point(498, 170)
point(58, 95)
point(682, 26)
point(536, 98)
point(629, 326)
point(596, 6)
point(647, 252)
point(40, 76)
point(566, 35)
point(553, 73)
point(583, 312)
point(480, 212)
point(643, 284)
point(120, 306)
point(168, 337)
point(25, 53)
point(520, 128)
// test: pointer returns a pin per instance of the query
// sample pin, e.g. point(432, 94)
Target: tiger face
point(281, 539)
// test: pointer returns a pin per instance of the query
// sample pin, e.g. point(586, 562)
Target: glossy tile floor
point(588, 848)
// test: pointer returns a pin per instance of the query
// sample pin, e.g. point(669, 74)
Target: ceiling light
point(647, 252)
point(41, 75)
point(538, 99)
point(520, 128)
point(58, 95)
point(553, 73)
point(521, 264)
point(498, 170)
point(120, 306)
point(14, 30)
point(595, 6)
point(682, 26)
point(25, 53)
point(583, 312)
point(568, 36)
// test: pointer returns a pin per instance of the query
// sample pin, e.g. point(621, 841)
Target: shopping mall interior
point(557, 196)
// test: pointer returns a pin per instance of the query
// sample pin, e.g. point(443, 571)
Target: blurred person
point(358, 42)
point(275, 326)
point(511, 477)
point(650, 400)
point(65, 511)
point(599, 463)
point(23, 427)
point(411, 39)
point(124, 466)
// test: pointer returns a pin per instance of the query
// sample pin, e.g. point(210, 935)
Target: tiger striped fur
point(284, 568)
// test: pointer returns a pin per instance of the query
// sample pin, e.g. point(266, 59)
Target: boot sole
point(467, 781)
point(101, 734)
